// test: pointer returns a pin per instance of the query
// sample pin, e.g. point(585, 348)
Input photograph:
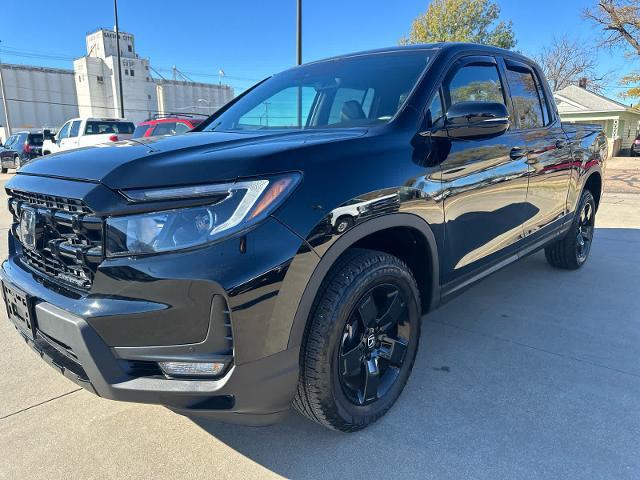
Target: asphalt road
point(534, 373)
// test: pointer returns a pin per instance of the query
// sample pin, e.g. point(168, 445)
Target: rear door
point(485, 181)
point(548, 155)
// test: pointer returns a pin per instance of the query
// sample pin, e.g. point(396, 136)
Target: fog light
point(191, 369)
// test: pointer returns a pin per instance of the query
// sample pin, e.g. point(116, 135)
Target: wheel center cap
point(371, 341)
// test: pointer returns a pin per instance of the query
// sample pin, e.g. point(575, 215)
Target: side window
point(166, 128)
point(526, 98)
point(475, 83)
point(182, 128)
point(349, 103)
point(64, 131)
point(75, 128)
point(435, 109)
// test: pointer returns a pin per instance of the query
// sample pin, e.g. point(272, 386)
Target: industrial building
point(40, 97)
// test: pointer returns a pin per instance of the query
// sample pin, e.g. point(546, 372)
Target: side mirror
point(476, 120)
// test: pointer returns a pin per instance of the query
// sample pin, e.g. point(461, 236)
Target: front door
point(484, 182)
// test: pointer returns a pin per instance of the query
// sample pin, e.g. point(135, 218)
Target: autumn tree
point(565, 62)
point(476, 21)
point(620, 22)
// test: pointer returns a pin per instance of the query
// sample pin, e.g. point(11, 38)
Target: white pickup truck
point(84, 132)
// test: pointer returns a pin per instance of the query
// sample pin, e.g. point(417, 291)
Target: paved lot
point(534, 373)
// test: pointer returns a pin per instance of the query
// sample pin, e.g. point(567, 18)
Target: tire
point(353, 366)
point(4, 170)
point(572, 250)
point(343, 224)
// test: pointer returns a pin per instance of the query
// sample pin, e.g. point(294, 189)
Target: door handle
point(517, 153)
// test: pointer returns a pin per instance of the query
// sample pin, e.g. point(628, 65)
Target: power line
point(11, 51)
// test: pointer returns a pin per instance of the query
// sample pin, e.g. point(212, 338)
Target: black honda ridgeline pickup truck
point(284, 251)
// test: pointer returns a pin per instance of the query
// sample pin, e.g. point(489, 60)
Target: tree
point(474, 21)
point(565, 62)
point(620, 20)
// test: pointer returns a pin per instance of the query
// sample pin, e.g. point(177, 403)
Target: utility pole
point(299, 34)
point(121, 93)
point(299, 58)
point(5, 104)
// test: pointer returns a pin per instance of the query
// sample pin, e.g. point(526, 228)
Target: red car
point(167, 124)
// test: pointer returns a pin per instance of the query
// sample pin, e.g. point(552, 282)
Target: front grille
point(51, 201)
point(67, 242)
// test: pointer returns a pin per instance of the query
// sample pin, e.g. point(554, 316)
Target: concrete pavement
point(533, 373)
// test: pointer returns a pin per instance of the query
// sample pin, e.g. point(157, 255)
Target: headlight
point(233, 207)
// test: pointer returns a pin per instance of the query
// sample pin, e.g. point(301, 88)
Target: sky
point(251, 39)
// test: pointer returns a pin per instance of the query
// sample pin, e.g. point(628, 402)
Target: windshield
point(348, 92)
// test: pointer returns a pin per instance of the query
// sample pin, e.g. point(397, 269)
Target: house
point(621, 123)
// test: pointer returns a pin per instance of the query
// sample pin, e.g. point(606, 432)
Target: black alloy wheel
point(572, 250)
point(584, 234)
point(360, 342)
point(374, 344)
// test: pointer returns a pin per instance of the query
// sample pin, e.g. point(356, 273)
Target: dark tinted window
point(526, 98)
point(96, 127)
point(140, 131)
point(476, 83)
point(35, 139)
point(338, 92)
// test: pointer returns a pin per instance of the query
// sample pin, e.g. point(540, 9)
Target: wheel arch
point(371, 234)
point(593, 183)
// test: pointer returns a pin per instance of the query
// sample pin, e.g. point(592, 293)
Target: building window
point(130, 48)
point(132, 73)
point(148, 96)
point(100, 79)
point(126, 71)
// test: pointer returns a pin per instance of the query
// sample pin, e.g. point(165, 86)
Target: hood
point(197, 157)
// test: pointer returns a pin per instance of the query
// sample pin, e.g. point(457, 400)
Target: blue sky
point(251, 39)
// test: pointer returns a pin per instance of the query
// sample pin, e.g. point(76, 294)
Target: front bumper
point(255, 389)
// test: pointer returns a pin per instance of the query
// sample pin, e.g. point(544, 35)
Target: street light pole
point(5, 104)
point(299, 33)
point(299, 57)
point(120, 93)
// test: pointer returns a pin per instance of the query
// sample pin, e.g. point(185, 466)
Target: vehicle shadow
point(510, 382)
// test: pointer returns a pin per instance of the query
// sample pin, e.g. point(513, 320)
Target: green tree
point(474, 21)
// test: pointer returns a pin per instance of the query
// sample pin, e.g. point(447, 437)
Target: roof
point(574, 99)
point(451, 48)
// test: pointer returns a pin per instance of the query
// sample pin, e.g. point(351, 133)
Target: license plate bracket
point(19, 309)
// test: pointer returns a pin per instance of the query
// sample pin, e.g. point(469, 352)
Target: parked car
point(204, 271)
point(19, 149)
point(167, 124)
point(634, 151)
point(84, 132)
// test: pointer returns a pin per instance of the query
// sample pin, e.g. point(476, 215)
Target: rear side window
point(476, 83)
point(527, 99)
point(96, 127)
point(35, 139)
point(167, 128)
